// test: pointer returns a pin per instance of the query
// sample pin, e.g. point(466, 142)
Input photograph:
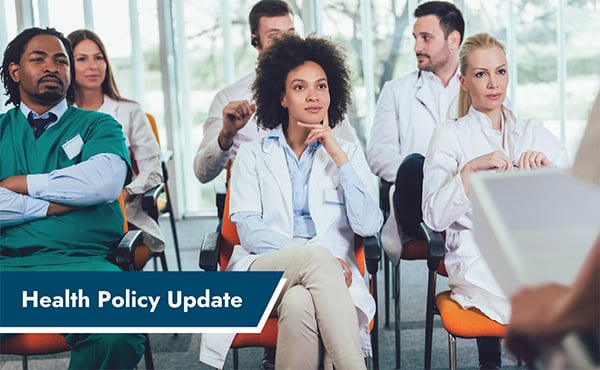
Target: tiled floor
point(181, 351)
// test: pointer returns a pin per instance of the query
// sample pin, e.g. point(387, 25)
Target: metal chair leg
point(452, 350)
point(431, 286)
point(163, 262)
point(173, 227)
point(236, 360)
point(375, 332)
point(396, 271)
point(386, 282)
point(148, 354)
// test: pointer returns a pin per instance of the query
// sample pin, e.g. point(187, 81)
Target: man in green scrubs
point(61, 172)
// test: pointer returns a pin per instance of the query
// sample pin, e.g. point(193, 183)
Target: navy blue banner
point(89, 301)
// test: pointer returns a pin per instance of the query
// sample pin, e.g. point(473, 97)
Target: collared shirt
point(59, 109)
point(299, 171)
point(444, 95)
point(82, 184)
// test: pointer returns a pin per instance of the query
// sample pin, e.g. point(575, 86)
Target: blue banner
point(122, 302)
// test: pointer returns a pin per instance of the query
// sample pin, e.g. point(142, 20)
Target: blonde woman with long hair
point(486, 137)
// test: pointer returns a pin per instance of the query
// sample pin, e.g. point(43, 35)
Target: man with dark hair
point(61, 170)
point(230, 119)
point(409, 107)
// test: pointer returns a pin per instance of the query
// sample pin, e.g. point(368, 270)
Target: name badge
point(334, 196)
point(73, 146)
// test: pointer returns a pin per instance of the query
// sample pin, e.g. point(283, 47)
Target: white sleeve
point(145, 152)
point(383, 149)
point(444, 198)
point(210, 159)
point(99, 179)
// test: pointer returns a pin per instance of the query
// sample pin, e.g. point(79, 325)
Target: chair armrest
point(123, 255)
point(435, 245)
point(166, 155)
point(209, 252)
point(150, 200)
point(372, 245)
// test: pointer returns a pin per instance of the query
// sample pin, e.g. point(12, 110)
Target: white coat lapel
point(425, 96)
point(317, 184)
point(275, 162)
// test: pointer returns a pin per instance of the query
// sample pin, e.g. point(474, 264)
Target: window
point(552, 49)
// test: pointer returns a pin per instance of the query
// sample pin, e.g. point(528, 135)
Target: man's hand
point(18, 184)
point(58, 209)
point(235, 116)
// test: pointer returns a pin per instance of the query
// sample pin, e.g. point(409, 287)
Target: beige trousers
point(314, 303)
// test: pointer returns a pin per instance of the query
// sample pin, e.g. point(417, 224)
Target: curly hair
point(13, 53)
point(287, 53)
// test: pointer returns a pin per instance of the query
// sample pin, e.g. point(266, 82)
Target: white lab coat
point(260, 181)
point(143, 147)
point(447, 207)
point(407, 111)
point(210, 159)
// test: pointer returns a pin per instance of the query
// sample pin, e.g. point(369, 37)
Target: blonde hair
point(472, 43)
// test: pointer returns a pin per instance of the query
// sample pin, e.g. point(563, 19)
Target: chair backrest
point(152, 121)
point(125, 224)
point(228, 237)
point(408, 195)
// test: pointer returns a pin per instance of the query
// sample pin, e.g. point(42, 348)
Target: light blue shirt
point(259, 238)
point(97, 180)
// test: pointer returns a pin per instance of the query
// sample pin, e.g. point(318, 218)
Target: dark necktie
point(39, 124)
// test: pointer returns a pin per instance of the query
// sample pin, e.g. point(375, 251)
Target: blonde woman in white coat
point(486, 137)
point(298, 196)
point(95, 89)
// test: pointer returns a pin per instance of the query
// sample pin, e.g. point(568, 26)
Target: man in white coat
point(230, 119)
point(409, 107)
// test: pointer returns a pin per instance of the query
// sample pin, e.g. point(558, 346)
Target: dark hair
point(13, 53)
point(267, 8)
point(287, 53)
point(450, 17)
point(109, 86)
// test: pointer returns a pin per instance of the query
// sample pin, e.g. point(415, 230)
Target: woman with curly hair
point(297, 197)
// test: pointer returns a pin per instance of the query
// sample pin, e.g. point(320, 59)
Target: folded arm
point(24, 198)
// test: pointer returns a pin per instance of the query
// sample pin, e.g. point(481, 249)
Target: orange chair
point(458, 322)
point(217, 248)
point(157, 201)
point(430, 246)
point(30, 344)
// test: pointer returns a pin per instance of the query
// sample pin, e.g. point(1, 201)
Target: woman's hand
point(322, 132)
point(347, 272)
point(532, 159)
point(494, 160)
